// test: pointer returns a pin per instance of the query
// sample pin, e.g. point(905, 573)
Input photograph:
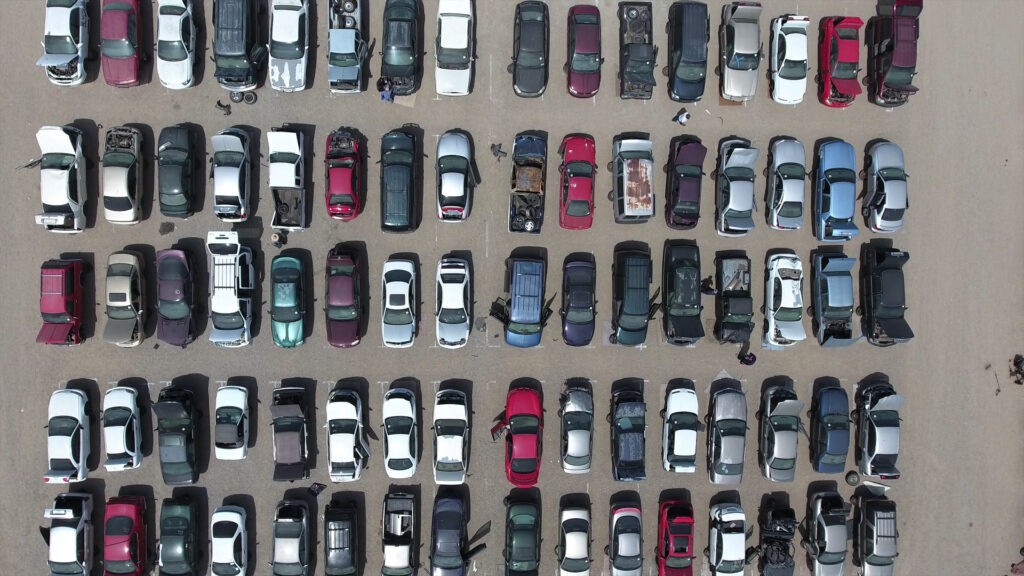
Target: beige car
point(125, 300)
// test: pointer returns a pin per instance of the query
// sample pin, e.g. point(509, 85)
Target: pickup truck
point(632, 179)
point(232, 281)
point(637, 52)
point(735, 307)
point(526, 196)
point(287, 179)
point(346, 49)
point(399, 534)
point(288, 420)
point(883, 295)
point(892, 53)
point(832, 299)
point(61, 302)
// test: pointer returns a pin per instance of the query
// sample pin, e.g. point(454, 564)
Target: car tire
point(664, 71)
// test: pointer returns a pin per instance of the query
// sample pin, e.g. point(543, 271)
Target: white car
point(61, 179)
point(455, 180)
point(573, 542)
point(885, 200)
point(285, 159)
point(783, 302)
point(576, 416)
point(67, 437)
point(727, 540)
point(122, 175)
point(451, 437)
point(625, 552)
point(453, 300)
point(453, 48)
point(789, 58)
point(65, 41)
point(231, 423)
point(398, 312)
point(289, 44)
point(400, 444)
point(786, 178)
point(175, 43)
point(125, 300)
point(231, 175)
point(70, 534)
point(679, 438)
point(229, 542)
point(122, 433)
point(346, 441)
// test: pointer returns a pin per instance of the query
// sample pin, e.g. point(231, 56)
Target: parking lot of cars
point(236, 502)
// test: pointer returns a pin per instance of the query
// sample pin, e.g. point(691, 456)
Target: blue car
point(287, 303)
point(835, 192)
point(830, 429)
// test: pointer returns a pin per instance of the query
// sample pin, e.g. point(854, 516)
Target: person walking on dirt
point(682, 117)
point(384, 86)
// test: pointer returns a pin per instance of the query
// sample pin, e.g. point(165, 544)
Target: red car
point(524, 428)
point(342, 175)
point(839, 61)
point(576, 189)
point(584, 51)
point(60, 302)
point(124, 536)
point(119, 42)
point(675, 538)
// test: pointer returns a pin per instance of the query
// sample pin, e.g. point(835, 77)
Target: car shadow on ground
point(146, 424)
point(94, 413)
point(247, 503)
point(149, 517)
point(251, 384)
point(91, 152)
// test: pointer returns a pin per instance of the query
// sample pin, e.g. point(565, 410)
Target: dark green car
point(177, 549)
point(287, 304)
point(522, 537)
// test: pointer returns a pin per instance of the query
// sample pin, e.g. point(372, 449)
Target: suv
point(61, 302)
point(632, 179)
point(892, 54)
point(628, 426)
point(689, 29)
point(176, 415)
point(288, 419)
point(632, 306)
point(70, 534)
point(877, 536)
point(878, 430)
point(400, 58)
point(397, 180)
point(524, 313)
point(237, 53)
point(883, 295)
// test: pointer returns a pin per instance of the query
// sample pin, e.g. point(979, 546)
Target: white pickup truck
point(232, 280)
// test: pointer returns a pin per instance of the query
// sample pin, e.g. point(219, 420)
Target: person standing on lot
point(682, 117)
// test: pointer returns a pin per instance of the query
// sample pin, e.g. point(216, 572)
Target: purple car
point(682, 208)
point(578, 292)
point(344, 307)
point(175, 298)
point(584, 51)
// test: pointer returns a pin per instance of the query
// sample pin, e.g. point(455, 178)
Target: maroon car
point(839, 61)
point(60, 302)
point(342, 173)
point(584, 53)
point(124, 536)
point(892, 54)
point(675, 538)
point(682, 209)
point(119, 42)
point(343, 305)
point(175, 302)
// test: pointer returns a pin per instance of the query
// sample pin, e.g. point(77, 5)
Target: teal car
point(287, 304)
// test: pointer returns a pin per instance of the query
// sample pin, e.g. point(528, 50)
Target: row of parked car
point(521, 424)
point(125, 551)
point(238, 54)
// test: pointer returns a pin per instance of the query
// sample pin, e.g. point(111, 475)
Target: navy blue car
point(830, 429)
point(578, 299)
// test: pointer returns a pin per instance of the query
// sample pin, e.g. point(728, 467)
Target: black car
point(176, 435)
point(633, 305)
point(522, 537)
point(397, 173)
point(689, 29)
point(579, 279)
point(681, 293)
point(400, 58)
point(176, 169)
point(883, 295)
point(530, 49)
point(177, 551)
point(288, 420)
point(341, 535)
point(448, 536)
point(628, 416)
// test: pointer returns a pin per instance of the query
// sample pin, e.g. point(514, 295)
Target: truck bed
point(735, 276)
point(289, 208)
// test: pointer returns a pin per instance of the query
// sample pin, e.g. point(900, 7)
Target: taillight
point(889, 477)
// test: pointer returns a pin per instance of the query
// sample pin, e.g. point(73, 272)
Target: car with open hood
point(122, 431)
point(885, 198)
point(780, 431)
point(455, 176)
point(343, 173)
point(788, 62)
point(685, 176)
point(400, 417)
point(835, 192)
point(576, 416)
point(734, 187)
point(583, 61)
point(287, 301)
point(400, 56)
point(529, 66)
point(122, 175)
point(679, 433)
point(62, 184)
point(727, 434)
point(67, 437)
point(176, 422)
point(231, 423)
point(125, 548)
point(65, 41)
point(451, 437)
point(680, 293)
point(176, 168)
point(289, 44)
point(343, 303)
point(579, 301)
point(786, 177)
point(453, 48)
point(783, 300)
point(175, 298)
point(175, 43)
point(839, 60)
point(398, 303)
point(120, 25)
point(125, 300)
point(739, 40)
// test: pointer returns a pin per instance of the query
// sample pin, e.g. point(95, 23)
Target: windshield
point(399, 56)
point(899, 76)
point(579, 315)
point(793, 69)
point(59, 45)
point(788, 315)
point(523, 424)
point(453, 58)
point(230, 321)
point(114, 417)
point(173, 309)
point(452, 316)
point(116, 48)
point(578, 208)
point(342, 312)
point(741, 61)
point(586, 63)
point(633, 321)
point(845, 71)
point(171, 51)
point(730, 566)
point(118, 566)
point(56, 161)
point(577, 421)
point(290, 50)
point(691, 71)
point(838, 312)
point(398, 425)
point(397, 317)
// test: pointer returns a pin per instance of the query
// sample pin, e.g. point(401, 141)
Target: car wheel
point(664, 71)
point(249, 97)
point(714, 174)
point(236, 97)
point(859, 310)
point(810, 310)
point(718, 70)
point(509, 68)
point(611, 166)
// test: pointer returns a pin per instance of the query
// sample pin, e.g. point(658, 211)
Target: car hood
point(121, 70)
point(54, 333)
point(452, 82)
point(288, 74)
point(873, 570)
point(173, 332)
point(174, 74)
point(287, 334)
point(847, 86)
point(790, 91)
point(829, 569)
point(584, 84)
point(397, 333)
point(896, 328)
point(343, 333)
point(120, 331)
point(578, 334)
point(529, 81)
point(56, 59)
point(739, 83)
point(685, 327)
point(686, 91)
point(522, 340)
point(791, 330)
point(452, 334)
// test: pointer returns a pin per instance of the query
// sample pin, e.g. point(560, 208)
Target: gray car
point(734, 187)
point(826, 536)
point(780, 429)
point(878, 430)
point(885, 198)
point(876, 533)
point(727, 433)
point(786, 176)
point(832, 298)
point(290, 553)
point(740, 41)
point(577, 426)
point(448, 537)
point(289, 44)
point(398, 304)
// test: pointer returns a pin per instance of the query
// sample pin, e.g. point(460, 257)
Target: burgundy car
point(60, 302)
point(839, 61)
point(892, 54)
point(682, 209)
point(344, 307)
point(175, 302)
point(124, 536)
point(576, 187)
point(523, 427)
point(342, 167)
point(584, 53)
point(675, 538)
point(119, 42)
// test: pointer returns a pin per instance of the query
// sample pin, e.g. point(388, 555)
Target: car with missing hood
point(122, 175)
point(231, 423)
point(576, 416)
point(343, 173)
point(448, 536)
point(685, 175)
point(455, 177)
point(625, 552)
point(122, 433)
point(451, 437)
point(120, 22)
point(289, 555)
point(62, 184)
point(788, 62)
point(398, 303)
point(232, 174)
point(177, 551)
point(835, 192)
point(343, 306)
point(400, 417)
point(69, 537)
point(577, 173)
point(675, 538)
point(727, 434)
point(289, 44)
point(783, 300)
point(347, 451)
point(739, 39)
point(727, 540)
point(786, 176)
point(124, 536)
point(573, 549)
point(883, 295)
point(583, 65)
point(679, 433)
point(176, 168)
point(229, 541)
point(175, 298)
point(830, 429)
point(400, 56)
point(176, 421)
point(287, 301)
point(453, 48)
point(454, 298)
point(680, 293)
point(529, 66)
point(826, 533)
point(65, 41)
point(175, 43)
point(579, 290)
point(780, 431)
point(839, 60)
point(878, 430)
point(125, 300)
point(885, 199)
point(67, 437)
point(734, 187)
